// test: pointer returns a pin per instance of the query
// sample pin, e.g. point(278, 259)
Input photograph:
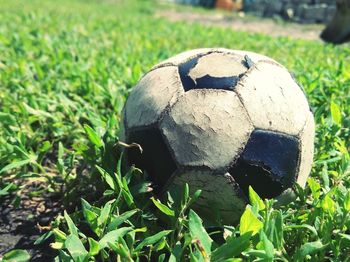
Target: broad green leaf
point(234, 246)
point(45, 146)
point(309, 249)
point(186, 192)
point(94, 247)
point(63, 256)
point(161, 258)
point(300, 192)
point(119, 165)
point(56, 245)
point(36, 112)
point(128, 198)
point(107, 177)
point(336, 113)
point(104, 213)
point(121, 250)
point(172, 258)
point(197, 256)
point(59, 234)
point(91, 218)
point(5, 190)
point(23, 151)
point(93, 137)
point(345, 236)
point(141, 229)
point(85, 204)
point(255, 199)
point(166, 210)
point(176, 253)
point(303, 226)
point(160, 245)
point(315, 187)
point(117, 221)
point(71, 226)
point(195, 196)
point(16, 255)
point(14, 165)
point(325, 177)
point(121, 182)
point(7, 118)
point(60, 162)
point(328, 204)
point(258, 254)
point(76, 248)
point(347, 202)
point(43, 238)
point(278, 227)
point(152, 239)
point(249, 222)
point(268, 246)
point(60, 151)
point(112, 236)
point(198, 232)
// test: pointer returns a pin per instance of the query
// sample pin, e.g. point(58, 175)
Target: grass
point(65, 71)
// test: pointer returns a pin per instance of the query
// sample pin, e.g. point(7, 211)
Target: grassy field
point(66, 68)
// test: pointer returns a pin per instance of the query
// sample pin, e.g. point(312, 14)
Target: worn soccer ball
point(220, 120)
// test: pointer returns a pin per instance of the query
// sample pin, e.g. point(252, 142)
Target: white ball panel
point(219, 193)
point(152, 95)
point(273, 99)
point(207, 128)
point(218, 65)
point(307, 150)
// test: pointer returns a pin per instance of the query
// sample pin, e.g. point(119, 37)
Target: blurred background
point(302, 11)
point(335, 14)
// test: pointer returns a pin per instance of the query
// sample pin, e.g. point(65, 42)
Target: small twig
point(132, 145)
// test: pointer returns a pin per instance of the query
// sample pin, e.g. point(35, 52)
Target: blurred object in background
point(301, 11)
point(222, 4)
point(338, 30)
point(235, 5)
point(334, 13)
point(204, 3)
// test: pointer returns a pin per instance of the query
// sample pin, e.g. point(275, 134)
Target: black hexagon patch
point(155, 158)
point(268, 163)
point(212, 71)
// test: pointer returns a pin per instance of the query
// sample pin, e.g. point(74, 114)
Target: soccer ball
point(220, 120)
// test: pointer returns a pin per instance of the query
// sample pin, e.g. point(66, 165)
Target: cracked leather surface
point(273, 99)
point(148, 99)
point(206, 128)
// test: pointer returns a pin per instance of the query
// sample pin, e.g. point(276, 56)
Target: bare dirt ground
point(245, 23)
point(21, 226)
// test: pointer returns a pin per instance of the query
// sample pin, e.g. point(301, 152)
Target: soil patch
point(21, 226)
point(247, 24)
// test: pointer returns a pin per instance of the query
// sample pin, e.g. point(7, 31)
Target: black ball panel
point(268, 163)
point(155, 158)
point(207, 78)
